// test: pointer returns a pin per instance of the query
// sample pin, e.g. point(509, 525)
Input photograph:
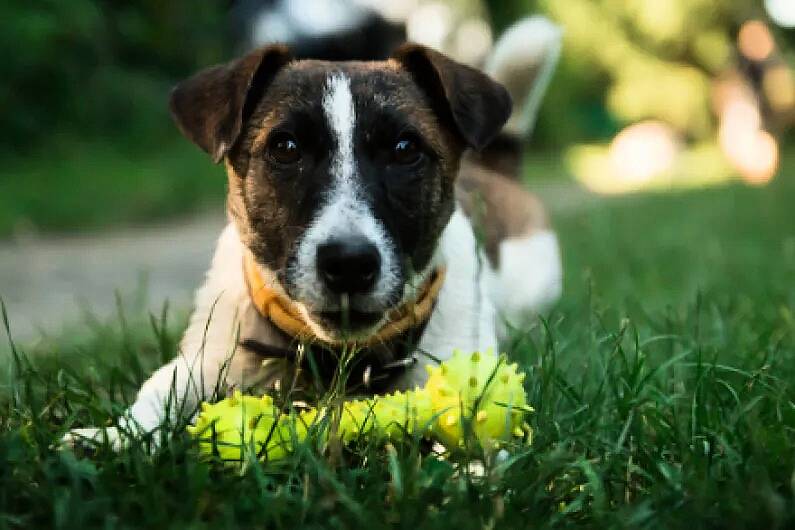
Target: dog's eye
point(283, 149)
point(407, 150)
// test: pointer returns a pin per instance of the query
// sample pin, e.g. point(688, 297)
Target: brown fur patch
point(498, 206)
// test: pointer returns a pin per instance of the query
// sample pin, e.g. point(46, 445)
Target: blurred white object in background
point(782, 12)
point(524, 59)
point(472, 41)
point(458, 28)
point(288, 20)
point(322, 18)
point(430, 24)
point(333, 30)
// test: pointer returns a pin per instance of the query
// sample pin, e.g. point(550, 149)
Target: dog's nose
point(349, 265)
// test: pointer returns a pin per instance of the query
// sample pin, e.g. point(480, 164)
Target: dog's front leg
point(208, 360)
point(209, 355)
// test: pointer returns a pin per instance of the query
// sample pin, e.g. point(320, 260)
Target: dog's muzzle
point(273, 303)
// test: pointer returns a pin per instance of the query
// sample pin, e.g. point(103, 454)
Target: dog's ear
point(211, 107)
point(477, 105)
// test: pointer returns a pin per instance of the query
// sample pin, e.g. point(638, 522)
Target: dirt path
point(47, 283)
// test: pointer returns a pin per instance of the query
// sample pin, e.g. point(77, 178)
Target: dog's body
point(349, 191)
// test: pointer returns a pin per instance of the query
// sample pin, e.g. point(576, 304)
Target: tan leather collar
point(283, 312)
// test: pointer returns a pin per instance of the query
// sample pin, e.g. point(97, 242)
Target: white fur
point(345, 213)
point(196, 370)
point(463, 318)
point(529, 279)
point(339, 109)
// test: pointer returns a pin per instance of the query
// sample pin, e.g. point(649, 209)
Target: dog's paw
point(90, 439)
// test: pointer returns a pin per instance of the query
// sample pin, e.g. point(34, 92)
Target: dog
point(375, 216)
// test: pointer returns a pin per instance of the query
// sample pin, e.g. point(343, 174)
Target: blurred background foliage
point(86, 139)
point(99, 67)
point(85, 135)
point(628, 60)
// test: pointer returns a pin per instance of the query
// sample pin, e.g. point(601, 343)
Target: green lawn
point(85, 184)
point(663, 385)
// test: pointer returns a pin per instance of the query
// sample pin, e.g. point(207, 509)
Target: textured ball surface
point(387, 416)
point(233, 424)
point(480, 390)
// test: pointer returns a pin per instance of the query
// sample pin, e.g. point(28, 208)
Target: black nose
point(348, 265)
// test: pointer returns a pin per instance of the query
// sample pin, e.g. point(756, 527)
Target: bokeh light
point(763, 165)
point(752, 151)
point(755, 40)
point(643, 151)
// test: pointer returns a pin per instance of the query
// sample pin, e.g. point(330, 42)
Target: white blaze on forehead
point(339, 110)
point(344, 212)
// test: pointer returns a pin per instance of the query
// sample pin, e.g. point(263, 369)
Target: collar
point(274, 305)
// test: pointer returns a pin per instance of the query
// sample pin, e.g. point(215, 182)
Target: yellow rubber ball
point(242, 423)
point(480, 390)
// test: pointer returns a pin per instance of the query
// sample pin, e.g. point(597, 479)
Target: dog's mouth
point(358, 315)
point(340, 317)
point(354, 316)
point(350, 321)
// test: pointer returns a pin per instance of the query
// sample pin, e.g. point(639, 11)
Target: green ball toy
point(477, 393)
point(481, 391)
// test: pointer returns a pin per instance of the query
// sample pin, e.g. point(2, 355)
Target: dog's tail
point(523, 60)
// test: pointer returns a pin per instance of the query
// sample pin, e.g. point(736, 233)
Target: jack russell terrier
point(374, 210)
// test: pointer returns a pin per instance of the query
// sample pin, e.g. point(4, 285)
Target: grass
point(662, 383)
point(89, 184)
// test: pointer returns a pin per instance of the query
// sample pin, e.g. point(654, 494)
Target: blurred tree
point(504, 13)
point(93, 65)
point(628, 60)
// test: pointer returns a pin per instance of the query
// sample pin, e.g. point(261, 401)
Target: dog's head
point(341, 175)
